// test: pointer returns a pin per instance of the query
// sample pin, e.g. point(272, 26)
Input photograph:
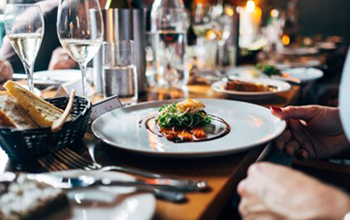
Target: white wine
point(82, 51)
point(26, 46)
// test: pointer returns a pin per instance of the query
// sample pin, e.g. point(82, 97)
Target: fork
point(54, 165)
point(68, 159)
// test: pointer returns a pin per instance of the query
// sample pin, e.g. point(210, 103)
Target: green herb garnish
point(170, 117)
point(269, 70)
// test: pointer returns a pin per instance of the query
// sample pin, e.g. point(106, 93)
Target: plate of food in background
point(188, 128)
point(266, 71)
point(250, 89)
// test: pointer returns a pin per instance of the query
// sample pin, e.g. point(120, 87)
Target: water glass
point(119, 72)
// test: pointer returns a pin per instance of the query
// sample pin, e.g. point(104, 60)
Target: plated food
point(22, 198)
point(184, 121)
point(131, 129)
point(268, 71)
point(239, 85)
point(250, 89)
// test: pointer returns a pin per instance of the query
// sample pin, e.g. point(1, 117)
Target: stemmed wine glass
point(24, 24)
point(80, 30)
point(222, 18)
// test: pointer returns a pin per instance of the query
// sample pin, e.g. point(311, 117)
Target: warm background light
point(250, 6)
point(285, 40)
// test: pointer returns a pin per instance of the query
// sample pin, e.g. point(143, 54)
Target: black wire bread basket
point(31, 144)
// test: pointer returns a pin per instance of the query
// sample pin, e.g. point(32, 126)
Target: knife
point(86, 181)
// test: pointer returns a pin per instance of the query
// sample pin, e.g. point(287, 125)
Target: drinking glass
point(119, 72)
point(80, 30)
point(202, 21)
point(24, 24)
point(222, 18)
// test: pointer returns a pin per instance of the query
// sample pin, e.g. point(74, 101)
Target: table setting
point(108, 147)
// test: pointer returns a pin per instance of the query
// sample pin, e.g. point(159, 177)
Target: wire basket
point(30, 144)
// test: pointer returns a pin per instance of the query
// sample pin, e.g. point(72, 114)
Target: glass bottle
point(169, 24)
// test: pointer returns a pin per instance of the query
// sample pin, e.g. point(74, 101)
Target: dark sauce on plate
point(217, 129)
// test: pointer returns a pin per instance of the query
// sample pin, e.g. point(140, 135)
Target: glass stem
point(29, 72)
point(83, 78)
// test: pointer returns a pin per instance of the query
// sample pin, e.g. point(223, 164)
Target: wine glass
point(80, 30)
point(202, 26)
point(201, 20)
point(25, 34)
point(222, 18)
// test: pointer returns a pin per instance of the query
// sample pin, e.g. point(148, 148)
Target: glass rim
point(120, 45)
point(122, 42)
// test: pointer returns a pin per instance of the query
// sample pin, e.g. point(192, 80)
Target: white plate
point(107, 203)
point(301, 51)
point(220, 87)
point(305, 75)
point(251, 125)
point(53, 77)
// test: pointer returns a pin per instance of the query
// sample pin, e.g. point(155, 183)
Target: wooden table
point(222, 173)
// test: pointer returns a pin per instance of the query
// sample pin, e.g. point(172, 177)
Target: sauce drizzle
point(213, 136)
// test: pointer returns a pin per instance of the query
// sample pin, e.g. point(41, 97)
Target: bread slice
point(42, 112)
point(12, 114)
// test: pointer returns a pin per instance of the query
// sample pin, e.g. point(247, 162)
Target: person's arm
point(5, 71)
point(61, 60)
point(276, 192)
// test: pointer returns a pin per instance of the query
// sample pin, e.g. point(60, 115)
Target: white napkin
point(65, 88)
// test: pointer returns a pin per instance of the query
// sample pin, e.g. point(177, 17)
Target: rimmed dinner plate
point(220, 86)
point(251, 125)
point(51, 77)
point(107, 203)
point(56, 77)
point(305, 75)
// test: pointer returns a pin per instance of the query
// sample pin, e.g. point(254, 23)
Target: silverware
point(65, 158)
point(88, 181)
point(71, 183)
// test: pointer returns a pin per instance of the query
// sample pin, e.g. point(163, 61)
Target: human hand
point(6, 70)
point(61, 60)
point(277, 192)
point(313, 132)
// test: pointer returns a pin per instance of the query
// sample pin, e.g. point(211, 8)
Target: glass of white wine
point(80, 30)
point(25, 34)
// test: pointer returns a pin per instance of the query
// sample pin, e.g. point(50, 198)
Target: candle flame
point(285, 40)
point(250, 6)
point(274, 13)
point(229, 11)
